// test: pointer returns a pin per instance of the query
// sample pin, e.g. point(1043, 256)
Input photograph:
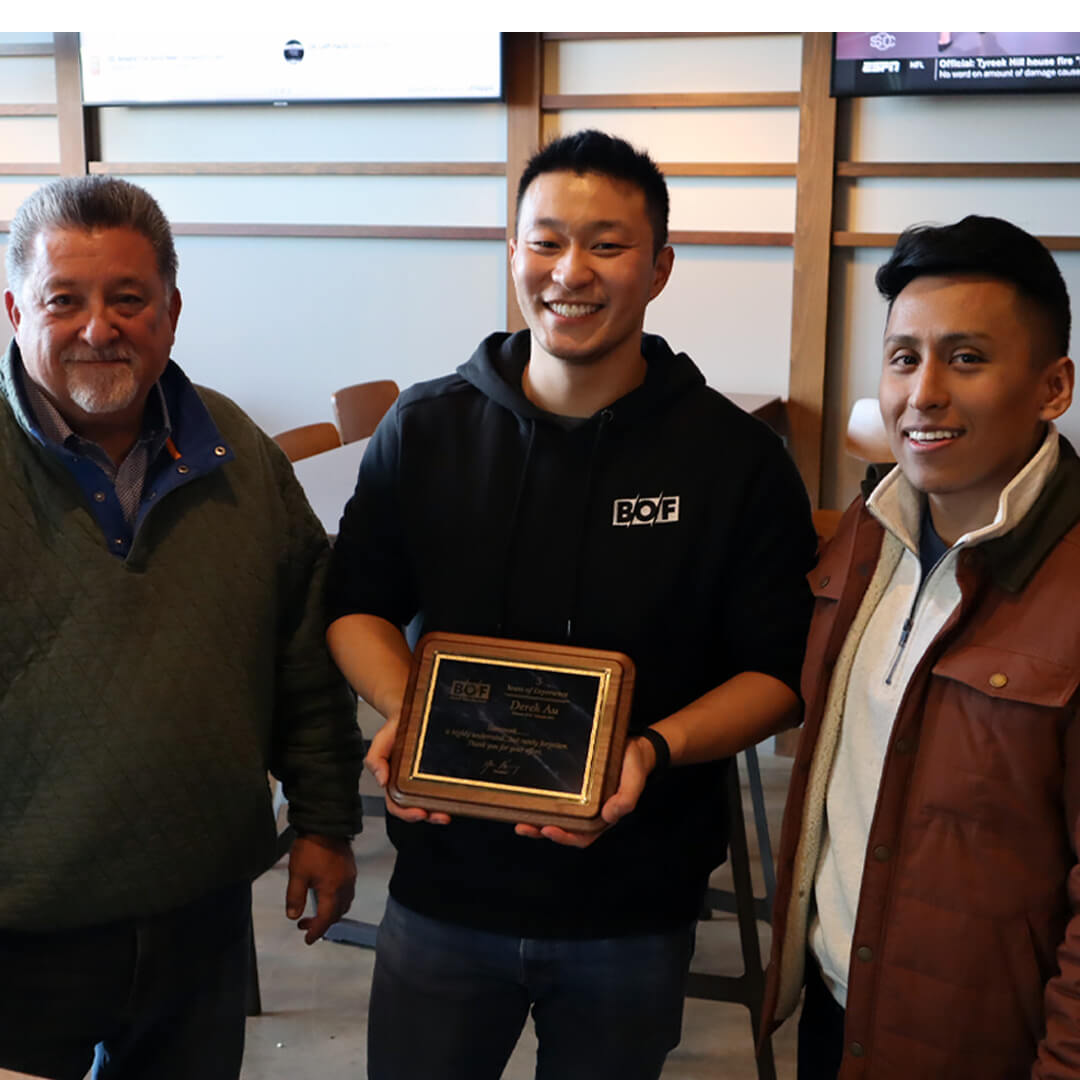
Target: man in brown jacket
point(930, 894)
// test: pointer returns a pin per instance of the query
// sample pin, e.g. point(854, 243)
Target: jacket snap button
point(881, 853)
point(824, 581)
point(183, 470)
point(863, 952)
point(999, 679)
point(857, 1049)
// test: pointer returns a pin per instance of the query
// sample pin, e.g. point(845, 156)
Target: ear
point(175, 303)
point(1058, 379)
point(13, 313)
point(665, 259)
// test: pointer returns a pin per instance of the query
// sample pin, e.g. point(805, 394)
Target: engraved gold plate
point(512, 730)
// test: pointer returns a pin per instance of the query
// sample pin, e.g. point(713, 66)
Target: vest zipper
point(909, 622)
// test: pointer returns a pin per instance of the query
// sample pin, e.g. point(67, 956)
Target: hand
point(639, 758)
point(326, 865)
point(378, 764)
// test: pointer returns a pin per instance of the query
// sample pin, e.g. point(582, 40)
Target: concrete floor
point(314, 1023)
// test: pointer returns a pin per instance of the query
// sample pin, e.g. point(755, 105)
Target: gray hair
point(89, 202)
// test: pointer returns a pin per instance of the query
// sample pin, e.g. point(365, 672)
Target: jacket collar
point(1013, 558)
point(193, 429)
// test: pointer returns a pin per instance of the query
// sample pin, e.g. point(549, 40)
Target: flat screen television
point(186, 68)
point(954, 62)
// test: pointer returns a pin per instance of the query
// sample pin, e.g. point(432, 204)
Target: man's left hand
point(325, 864)
point(638, 761)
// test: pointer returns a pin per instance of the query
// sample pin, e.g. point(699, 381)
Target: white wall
point(728, 307)
point(279, 323)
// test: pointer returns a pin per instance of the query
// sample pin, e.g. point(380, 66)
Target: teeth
point(573, 311)
point(931, 436)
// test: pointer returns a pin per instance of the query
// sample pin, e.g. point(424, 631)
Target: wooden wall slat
point(523, 61)
point(353, 232)
point(740, 100)
point(843, 239)
point(70, 105)
point(810, 282)
point(965, 169)
point(44, 109)
point(22, 168)
point(299, 168)
point(27, 48)
point(728, 168)
point(728, 238)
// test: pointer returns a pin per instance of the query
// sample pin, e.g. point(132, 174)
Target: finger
point(328, 909)
point(295, 895)
point(530, 831)
point(569, 839)
point(405, 813)
point(377, 759)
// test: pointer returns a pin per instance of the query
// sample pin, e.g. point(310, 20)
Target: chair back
point(301, 442)
point(866, 438)
point(359, 408)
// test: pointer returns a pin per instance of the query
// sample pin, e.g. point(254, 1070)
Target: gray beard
point(99, 391)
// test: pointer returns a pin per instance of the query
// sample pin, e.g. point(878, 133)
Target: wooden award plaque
point(512, 730)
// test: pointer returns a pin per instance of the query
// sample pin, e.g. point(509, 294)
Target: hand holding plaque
point(512, 730)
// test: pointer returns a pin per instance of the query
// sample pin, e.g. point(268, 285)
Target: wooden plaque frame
point(486, 793)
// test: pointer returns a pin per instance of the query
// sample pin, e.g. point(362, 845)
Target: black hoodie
point(479, 513)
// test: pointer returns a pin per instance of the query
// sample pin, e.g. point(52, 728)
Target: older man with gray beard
point(161, 648)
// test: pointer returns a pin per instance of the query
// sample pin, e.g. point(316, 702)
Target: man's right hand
point(378, 764)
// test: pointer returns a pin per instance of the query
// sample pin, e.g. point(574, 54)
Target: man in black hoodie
point(498, 501)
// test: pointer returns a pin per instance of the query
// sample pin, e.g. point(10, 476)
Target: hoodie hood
point(495, 369)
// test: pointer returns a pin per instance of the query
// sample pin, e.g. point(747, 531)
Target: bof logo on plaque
point(512, 730)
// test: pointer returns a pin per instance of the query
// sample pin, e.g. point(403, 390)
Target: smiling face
point(966, 388)
point(94, 324)
point(583, 266)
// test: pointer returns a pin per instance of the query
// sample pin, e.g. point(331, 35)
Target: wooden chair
point(866, 438)
point(359, 408)
point(301, 442)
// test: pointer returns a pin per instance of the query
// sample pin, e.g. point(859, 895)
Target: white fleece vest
point(879, 676)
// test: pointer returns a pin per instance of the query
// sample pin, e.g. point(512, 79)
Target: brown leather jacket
point(966, 954)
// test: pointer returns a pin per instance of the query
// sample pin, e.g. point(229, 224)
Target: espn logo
point(467, 690)
point(645, 510)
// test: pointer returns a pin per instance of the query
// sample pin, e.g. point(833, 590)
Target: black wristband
point(660, 747)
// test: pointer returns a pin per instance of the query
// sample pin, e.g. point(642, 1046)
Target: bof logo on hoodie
point(646, 510)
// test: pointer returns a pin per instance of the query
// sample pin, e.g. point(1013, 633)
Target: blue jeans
point(448, 1002)
point(161, 998)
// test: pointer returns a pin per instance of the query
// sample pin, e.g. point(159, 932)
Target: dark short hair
point(597, 152)
point(982, 245)
point(89, 202)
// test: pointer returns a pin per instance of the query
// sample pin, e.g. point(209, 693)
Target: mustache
point(84, 354)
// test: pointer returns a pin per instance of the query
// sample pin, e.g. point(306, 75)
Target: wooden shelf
point(1020, 170)
point(763, 99)
point(299, 168)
